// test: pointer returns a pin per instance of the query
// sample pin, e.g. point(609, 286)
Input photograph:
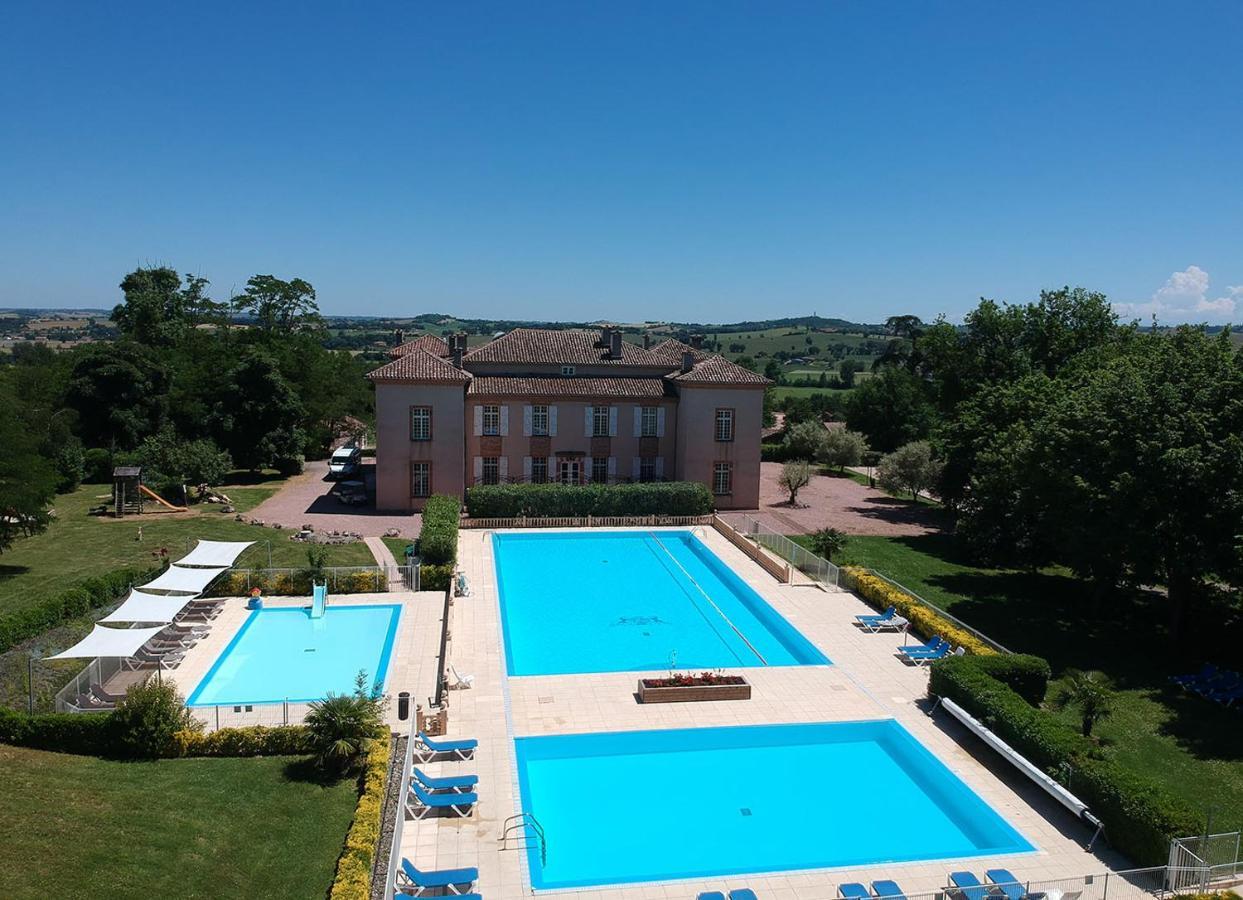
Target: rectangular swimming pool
point(686, 803)
point(284, 654)
point(618, 601)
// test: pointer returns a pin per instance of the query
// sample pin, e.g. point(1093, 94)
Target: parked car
point(344, 462)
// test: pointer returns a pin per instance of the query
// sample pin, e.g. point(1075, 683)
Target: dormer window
point(567, 370)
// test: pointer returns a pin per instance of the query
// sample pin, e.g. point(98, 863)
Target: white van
point(344, 462)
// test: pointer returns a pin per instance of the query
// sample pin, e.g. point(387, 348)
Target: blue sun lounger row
point(937, 648)
point(889, 620)
point(882, 888)
point(434, 792)
point(736, 894)
point(1219, 685)
point(412, 879)
point(1003, 885)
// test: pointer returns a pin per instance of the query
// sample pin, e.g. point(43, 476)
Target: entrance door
point(569, 471)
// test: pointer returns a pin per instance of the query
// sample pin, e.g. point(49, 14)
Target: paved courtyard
point(866, 681)
point(308, 498)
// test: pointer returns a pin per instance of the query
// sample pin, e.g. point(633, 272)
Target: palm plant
point(1091, 692)
point(828, 541)
point(340, 725)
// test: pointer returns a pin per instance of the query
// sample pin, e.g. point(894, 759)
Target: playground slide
point(319, 598)
point(160, 500)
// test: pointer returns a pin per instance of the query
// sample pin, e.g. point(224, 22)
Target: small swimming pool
point(619, 601)
point(284, 654)
point(686, 803)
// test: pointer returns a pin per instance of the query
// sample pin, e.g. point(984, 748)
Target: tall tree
point(278, 305)
point(891, 409)
point(259, 417)
point(120, 393)
point(159, 309)
point(27, 477)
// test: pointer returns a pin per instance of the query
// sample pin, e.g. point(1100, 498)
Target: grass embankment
point(1191, 745)
point(77, 826)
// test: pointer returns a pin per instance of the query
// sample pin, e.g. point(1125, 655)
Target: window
point(492, 420)
point(600, 469)
point(647, 469)
point(539, 469)
point(539, 420)
point(724, 424)
point(420, 423)
point(421, 479)
point(600, 421)
point(491, 469)
point(722, 478)
point(647, 424)
point(567, 370)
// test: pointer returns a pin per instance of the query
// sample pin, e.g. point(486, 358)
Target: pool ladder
point(517, 826)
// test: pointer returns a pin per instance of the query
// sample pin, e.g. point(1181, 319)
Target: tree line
point(186, 391)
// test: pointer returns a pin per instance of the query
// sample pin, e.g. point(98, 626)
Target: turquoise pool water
point(686, 803)
point(284, 654)
point(632, 601)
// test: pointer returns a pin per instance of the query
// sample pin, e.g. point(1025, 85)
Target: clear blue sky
point(694, 161)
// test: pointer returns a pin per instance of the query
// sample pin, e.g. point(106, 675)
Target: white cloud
point(1185, 297)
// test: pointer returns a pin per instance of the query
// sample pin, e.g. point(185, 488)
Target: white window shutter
point(526, 420)
point(588, 468)
point(658, 467)
point(636, 468)
point(612, 421)
point(504, 420)
point(638, 420)
point(502, 466)
point(552, 421)
point(612, 468)
point(478, 420)
point(478, 466)
point(587, 426)
point(526, 466)
point(660, 421)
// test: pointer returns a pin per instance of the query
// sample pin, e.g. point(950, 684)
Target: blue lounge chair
point(742, 894)
point(711, 895)
point(967, 886)
point(449, 783)
point(1004, 881)
point(1228, 696)
point(886, 888)
point(1223, 681)
point(872, 618)
point(1207, 672)
point(852, 890)
point(461, 749)
point(425, 802)
point(940, 653)
point(929, 647)
point(450, 879)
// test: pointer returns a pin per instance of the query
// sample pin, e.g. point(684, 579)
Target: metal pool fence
point(241, 715)
point(814, 567)
point(340, 580)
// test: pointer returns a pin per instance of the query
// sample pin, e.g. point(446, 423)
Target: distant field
point(782, 391)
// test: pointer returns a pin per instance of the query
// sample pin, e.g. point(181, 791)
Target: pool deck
point(412, 664)
point(866, 681)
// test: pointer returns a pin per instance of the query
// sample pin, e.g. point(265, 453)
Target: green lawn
point(76, 826)
point(785, 390)
point(1192, 745)
point(77, 545)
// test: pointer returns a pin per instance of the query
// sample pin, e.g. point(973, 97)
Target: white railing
point(241, 715)
point(399, 827)
point(586, 522)
point(814, 567)
point(340, 580)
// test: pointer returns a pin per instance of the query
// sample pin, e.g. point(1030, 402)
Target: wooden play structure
point(129, 493)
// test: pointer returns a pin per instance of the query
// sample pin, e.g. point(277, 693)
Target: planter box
point(649, 693)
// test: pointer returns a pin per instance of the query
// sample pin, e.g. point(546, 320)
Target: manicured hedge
point(435, 578)
point(658, 498)
point(438, 538)
point(924, 620)
point(778, 452)
point(88, 594)
point(1140, 816)
point(257, 740)
point(296, 583)
point(353, 878)
point(1028, 676)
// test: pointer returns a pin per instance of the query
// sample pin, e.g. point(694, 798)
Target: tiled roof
point(419, 365)
point(671, 351)
point(575, 347)
point(554, 386)
point(718, 370)
point(429, 342)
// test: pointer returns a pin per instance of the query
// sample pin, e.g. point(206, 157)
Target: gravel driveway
point(307, 498)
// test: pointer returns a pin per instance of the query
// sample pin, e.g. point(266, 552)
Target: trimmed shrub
point(146, 722)
point(258, 740)
point(1140, 816)
point(97, 463)
point(435, 578)
point(1026, 675)
point(438, 537)
point(924, 620)
point(88, 594)
point(774, 453)
point(89, 734)
point(353, 878)
point(667, 498)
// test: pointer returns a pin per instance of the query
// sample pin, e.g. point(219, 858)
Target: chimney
point(647, 341)
point(606, 334)
point(615, 345)
point(688, 361)
point(398, 337)
point(697, 341)
point(457, 345)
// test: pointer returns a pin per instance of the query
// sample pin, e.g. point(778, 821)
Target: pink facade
point(566, 406)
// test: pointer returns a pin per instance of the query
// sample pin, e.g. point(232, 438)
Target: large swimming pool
point(284, 654)
point(617, 601)
point(685, 803)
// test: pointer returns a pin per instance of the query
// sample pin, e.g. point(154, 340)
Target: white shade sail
point(142, 607)
point(214, 553)
point(180, 580)
point(111, 642)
